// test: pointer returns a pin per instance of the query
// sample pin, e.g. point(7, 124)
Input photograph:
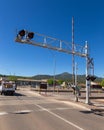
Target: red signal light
point(30, 35)
point(22, 33)
point(91, 78)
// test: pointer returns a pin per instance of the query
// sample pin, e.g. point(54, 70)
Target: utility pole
point(87, 73)
point(73, 58)
point(76, 93)
point(54, 80)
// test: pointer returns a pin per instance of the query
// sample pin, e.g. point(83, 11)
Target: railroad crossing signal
point(90, 78)
point(30, 35)
point(22, 34)
point(90, 61)
point(58, 45)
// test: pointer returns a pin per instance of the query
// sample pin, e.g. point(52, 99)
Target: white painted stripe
point(70, 123)
point(62, 108)
point(3, 113)
point(23, 111)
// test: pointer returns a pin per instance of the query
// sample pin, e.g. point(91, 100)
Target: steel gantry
point(36, 39)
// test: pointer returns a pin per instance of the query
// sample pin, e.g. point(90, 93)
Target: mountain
point(39, 77)
point(64, 76)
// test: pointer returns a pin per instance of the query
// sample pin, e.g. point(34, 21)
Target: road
point(28, 111)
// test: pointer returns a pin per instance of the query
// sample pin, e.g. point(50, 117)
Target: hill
point(64, 76)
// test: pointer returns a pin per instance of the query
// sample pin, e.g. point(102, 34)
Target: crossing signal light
point(93, 78)
point(90, 78)
point(30, 35)
point(22, 33)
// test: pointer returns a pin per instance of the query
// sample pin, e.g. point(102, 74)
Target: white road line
point(70, 123)
point(3, 113)
point(22, 111)
point(52, 109)
point(15, 112)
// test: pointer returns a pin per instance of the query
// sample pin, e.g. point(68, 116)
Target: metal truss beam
point(53, 44)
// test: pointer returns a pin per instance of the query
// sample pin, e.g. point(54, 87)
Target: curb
point(76, 105)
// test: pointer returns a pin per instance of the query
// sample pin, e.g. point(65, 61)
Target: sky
point(52, 18)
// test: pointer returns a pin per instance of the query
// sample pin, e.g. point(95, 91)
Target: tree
point(12, 78)
point(56, 82)
point(60, 81)
point(102, 83)
point(50, 81)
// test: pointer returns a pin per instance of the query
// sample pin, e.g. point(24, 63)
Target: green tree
point(55, 82)
point(50, 81)
point(12, 78)
point(60, 81)
point(102, 83)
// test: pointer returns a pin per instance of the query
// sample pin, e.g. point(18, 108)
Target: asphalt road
point(28, 111)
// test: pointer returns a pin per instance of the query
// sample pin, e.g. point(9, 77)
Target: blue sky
point(52, 18)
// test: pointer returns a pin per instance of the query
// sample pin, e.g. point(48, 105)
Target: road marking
point(22, 111)
point(70, 123)
point(16, 112)
point(52, 109)
point(63, 108)
point(3, 113)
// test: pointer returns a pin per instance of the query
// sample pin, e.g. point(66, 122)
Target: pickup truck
point(7, 87)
